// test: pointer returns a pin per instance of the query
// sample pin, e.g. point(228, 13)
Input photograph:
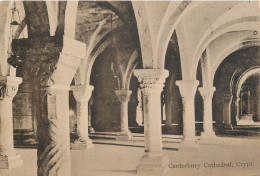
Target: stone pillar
point(53, 130)
point(237, 106)
point(164, 113)
point(257, 98)
point(90, 128)
point(139, 108)
point(124, 96)
point(188, 89)
point(8, 89)
point(82, 94)
point(207, 95)
point(169, 117)
point(153, 161)
point(52, 63)
point(227, 100)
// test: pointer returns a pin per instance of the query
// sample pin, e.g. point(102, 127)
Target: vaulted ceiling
point(219, 28)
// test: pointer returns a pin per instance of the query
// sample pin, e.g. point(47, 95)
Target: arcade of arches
point(73, 72)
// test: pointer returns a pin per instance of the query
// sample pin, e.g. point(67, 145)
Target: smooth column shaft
point(188, 89)
point(207, 94)
point(82, 120)
point(152, 123)
point(6, 128)
point(188, 119)
point(124, 97)
point(124, 116)
point(82, 94)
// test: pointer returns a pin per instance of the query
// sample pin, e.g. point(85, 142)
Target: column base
point(153, 164)
point(173, 129)
point(209, 138)
point(208, 135)
point(189, 146)
point(246, 120)
point(213, 140)
point(227, 126)
point(124, 136)
point(81, 145)
point(9, 162)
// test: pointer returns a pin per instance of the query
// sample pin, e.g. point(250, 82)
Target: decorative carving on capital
point(227, 97)
point(9, 86)
point(123, 95)
point(207, 93)
point(40, 66)
point(47, 59)
point(82, 93)
point(187, 88)
point(151, 80)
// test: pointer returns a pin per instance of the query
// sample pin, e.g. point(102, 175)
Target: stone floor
point(118, 158)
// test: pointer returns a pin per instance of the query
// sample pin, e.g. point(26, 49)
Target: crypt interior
point(129, 88)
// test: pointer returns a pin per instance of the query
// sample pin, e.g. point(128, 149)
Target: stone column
point(169, 117)
point(227, 100)
point(139, 108)
point(124, 96)
point(257, 98)
point(82, 94)
point(207, 95)
point(90, 128)
point(237, 105)
point(53, 130)
point(8, 89)
point(51, 63)
point(164, 113)
point(188, 89)
point(153, 161)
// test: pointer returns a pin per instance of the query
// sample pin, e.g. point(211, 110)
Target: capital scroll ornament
point(151, 80)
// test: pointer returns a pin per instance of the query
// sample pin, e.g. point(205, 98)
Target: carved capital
point(227, 97)
point(9, 86)
point(207, 93)
point(151, 80)
point(123, 95)
point(187, 88)
point(49, 60)
point(82, 93)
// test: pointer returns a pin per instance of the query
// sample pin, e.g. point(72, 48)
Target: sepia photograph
point(129, 88)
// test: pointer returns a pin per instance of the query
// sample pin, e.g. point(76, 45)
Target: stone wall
point(105, 108)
